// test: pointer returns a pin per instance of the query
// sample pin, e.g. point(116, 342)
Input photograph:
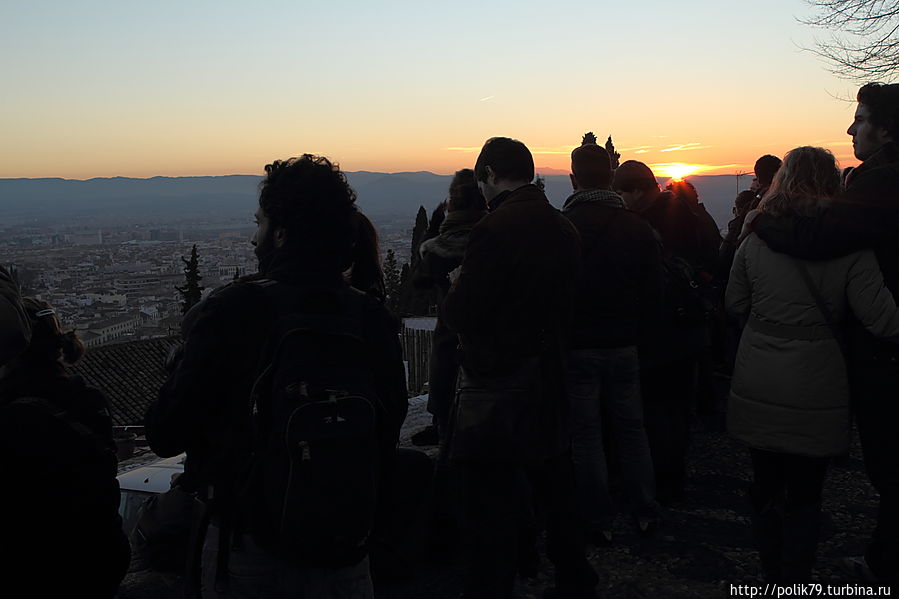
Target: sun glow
point(676, 170)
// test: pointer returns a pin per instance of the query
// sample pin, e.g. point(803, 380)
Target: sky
point(190, 87)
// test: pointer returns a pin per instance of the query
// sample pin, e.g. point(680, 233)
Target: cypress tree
point(613, 155)
point(392, 283)
point(192, 291)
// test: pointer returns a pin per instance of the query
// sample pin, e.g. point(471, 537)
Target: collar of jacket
point(888, 154)
point(460, 220)
point(520, 194)
point(286, 267)
point(602, 196)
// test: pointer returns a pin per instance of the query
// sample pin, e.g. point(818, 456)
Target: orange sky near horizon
point(217, 88)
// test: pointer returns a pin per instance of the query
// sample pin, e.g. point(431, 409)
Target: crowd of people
point(571, 349)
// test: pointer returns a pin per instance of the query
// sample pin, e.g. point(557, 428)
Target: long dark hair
point(365, 274)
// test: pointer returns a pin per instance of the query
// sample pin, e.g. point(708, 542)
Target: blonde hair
point(808, 177)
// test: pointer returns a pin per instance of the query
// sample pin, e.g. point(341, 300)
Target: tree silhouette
point(540, 182)
point(613, 155)
point(864, 37)
point(192, 291)
point(588, 138)
point(392, 282)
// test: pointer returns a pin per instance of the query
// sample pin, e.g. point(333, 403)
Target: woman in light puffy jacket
point(789, 399)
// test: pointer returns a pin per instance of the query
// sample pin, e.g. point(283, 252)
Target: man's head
point(306, 208)
point(876, 118)
point(636, 184)
point(503, 164)
point(591, 167)
point(765, 168)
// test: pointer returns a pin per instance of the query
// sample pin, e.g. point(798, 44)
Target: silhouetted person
point(511, 306)
point(618, 296)
point(441, 254)
point(308, 234)
point(790, 394)
point(62, 534)
point(14, 326)
point(864, 215)
point(670, 354)
point(765, 169)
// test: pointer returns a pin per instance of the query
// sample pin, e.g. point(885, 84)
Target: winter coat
point(684, 232)
point(865, 215)
point(60, 519)
point(789, 391)
point(513, 300)
point(15, 330)
point(517, 282)
point(619, 289)
point(439, 256)
point(201, 407)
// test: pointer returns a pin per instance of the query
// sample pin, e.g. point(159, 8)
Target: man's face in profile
point(263, 239)
point(867, 137)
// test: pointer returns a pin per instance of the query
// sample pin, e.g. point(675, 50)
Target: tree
point(192, 291)
point(864, 37)
point(613, 155)
point(540, 182)
point(588, 138)
point(392, 282)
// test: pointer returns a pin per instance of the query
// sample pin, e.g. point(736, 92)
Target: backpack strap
point(825, 311)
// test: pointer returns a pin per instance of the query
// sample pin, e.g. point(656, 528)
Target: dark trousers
point(786, 514)
point(500, 502)
point(793, 481)
point(875, 386)
point(668, 391)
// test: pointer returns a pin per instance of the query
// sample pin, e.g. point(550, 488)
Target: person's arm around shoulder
point(845, 226)
point(15, 330)
point(738, 295)
point(870, 300)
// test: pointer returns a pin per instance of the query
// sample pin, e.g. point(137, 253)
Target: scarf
point(603, 196)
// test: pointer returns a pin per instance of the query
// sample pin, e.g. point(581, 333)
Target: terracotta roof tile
point(129, 374)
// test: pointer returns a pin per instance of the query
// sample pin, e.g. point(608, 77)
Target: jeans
point(254, 573)
point(607, 381)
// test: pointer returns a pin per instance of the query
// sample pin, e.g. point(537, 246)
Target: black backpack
point(690, 294)
point(313, 475)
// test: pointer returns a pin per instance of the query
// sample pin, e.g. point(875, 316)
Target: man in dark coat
point(619, 290)
point(306, 227)
point(866, 215)
point(669, 357)
point(511, 305)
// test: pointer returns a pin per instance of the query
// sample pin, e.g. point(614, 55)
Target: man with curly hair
point(308, 235)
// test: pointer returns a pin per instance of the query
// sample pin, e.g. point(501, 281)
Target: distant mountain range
point(233, 197)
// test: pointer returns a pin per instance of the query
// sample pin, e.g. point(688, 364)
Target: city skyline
point(99, 90)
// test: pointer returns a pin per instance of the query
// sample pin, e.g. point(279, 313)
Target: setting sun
point(676, 170)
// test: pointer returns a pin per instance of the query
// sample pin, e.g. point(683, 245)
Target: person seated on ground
point(60, 520)
point(789, 399)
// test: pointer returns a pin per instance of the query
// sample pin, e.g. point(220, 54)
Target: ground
point(703, 547)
